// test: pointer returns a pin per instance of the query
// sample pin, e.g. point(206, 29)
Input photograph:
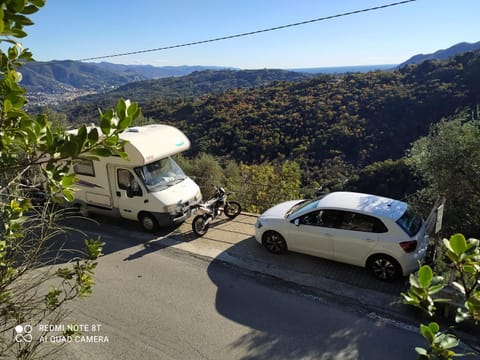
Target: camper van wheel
point(149, 223)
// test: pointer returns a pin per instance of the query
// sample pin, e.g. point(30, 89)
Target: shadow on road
point(117, 234)
point(286, 325)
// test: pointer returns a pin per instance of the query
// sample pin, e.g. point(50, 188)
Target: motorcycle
point(213, 208)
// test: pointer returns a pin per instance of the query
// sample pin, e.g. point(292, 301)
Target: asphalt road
point(163, 303)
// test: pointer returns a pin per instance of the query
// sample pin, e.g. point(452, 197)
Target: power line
point(251, 32)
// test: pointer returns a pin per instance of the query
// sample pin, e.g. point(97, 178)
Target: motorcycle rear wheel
point(232, 209)
point(200, 225)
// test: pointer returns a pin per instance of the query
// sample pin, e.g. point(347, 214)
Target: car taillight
point(409, 246)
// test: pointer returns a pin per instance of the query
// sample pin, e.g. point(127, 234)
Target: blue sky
point(78, 29)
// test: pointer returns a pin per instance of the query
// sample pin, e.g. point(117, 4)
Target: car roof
point(365, 203)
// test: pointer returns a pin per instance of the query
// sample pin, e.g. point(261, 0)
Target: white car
point(371, 231)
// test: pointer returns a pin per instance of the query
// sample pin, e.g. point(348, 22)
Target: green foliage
point(173, 88)
point(358, 118)
point(440, 344)
point(94, 248)
point(390, 178)
point(32, 148)
point(257, 186)
point(206, 171)
point(423, 286)
point(332, 126)
point(266, 185)
point(441, 159)
point(464, 257)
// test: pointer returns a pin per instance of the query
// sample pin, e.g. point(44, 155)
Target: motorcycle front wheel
point(232, 209)
point(199, 225)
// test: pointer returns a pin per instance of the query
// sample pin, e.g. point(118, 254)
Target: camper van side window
point(84, 167)
point(124, 179)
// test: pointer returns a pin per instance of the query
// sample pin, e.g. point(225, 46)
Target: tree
point(206, 171)
point(428, 290)
point(265, 185)
point(448, 159)
point(390, 178)
point(32, 149)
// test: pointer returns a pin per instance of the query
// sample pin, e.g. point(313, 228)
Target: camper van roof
point(149, 143)
point(153, 142)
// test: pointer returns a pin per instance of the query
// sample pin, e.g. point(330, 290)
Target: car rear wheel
point(274, 242)
point(384, 267)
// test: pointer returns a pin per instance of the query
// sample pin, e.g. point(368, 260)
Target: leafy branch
point(425, 287)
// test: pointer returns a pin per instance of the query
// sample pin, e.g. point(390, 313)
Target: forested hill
point(355, 119)
point(197, 84)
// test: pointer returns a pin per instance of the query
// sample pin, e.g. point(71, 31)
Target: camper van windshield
point(160, 174)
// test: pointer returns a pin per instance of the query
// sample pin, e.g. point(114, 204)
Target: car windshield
point(160, 174)
point(410, 222)
point(301, 207)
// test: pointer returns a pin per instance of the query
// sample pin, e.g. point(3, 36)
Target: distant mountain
point(56, 81)
point(156, 72)
point(55, 76)
point(443, 54)
point(52, 76)
point(344, 69)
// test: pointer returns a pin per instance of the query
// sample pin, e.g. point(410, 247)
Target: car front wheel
point(274, 242)
point(384, 267)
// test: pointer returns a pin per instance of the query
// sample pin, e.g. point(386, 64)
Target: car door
point(312, 233)
point(356, 236)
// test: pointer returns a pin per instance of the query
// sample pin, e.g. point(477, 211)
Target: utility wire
point(251, 32)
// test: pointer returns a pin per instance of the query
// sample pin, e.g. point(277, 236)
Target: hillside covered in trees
point(196, 84)
point(343, 121)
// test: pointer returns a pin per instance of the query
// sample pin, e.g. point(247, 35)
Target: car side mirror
point(297, 222)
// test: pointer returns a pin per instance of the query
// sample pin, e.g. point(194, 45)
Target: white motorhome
point(148, 187)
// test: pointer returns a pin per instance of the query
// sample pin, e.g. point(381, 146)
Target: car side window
point(312, 219)
point(331, 218)
point(361, 222)
point(323, 218)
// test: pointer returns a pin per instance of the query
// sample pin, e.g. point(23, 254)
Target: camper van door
point(128, 193)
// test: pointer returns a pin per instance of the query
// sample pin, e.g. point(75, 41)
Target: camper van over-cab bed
point(148, 187)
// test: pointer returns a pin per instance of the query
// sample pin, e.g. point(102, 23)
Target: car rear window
point(410, 222)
